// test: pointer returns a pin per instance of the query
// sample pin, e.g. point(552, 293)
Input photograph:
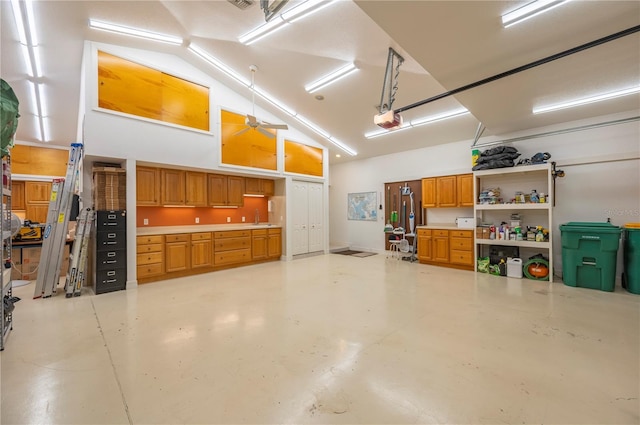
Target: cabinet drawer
point(461, 257)
point(274, 231)
point(462, 244)
point(424, 232)
point(149, 270)
point(110, 279)
point(181, 237)
point(150, 258)
point(462, 233)
point(232, 234)
point(111, 240)
point(150, 239)
point(152, 247)
point(232, 257)
point(440, 232)
point(231, 244)
point(201, 236)
point(111, 259)
point(107, 220)
point(260, 232)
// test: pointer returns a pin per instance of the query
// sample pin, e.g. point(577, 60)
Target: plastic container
point(631, 247)
point(514, 267)
point(589, 254)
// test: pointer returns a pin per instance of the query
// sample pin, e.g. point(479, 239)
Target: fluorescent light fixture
point(134, 32)
point(586, 100)
point(312, 126)
point(342, 146)
point(44, 132)
point(250, 195)
point(17, 15)
point(42, 99)
point(272, 100)
point(219, 65)
point(34, 97)
point(26, 56)
point(529, 11)
point(31, 25)
point(418, 122)
point(37, 67)
point(302, 10)
point(331, 78)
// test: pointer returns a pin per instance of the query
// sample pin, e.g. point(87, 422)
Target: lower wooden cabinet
point(274, 243)
point(150, 256)
point(266, 244)
point(177, 252)
point(448, 248)
point(201, 250)
point(231, 247)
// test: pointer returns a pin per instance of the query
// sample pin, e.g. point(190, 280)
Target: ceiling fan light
point(134, 32)
point(586, 100)
point(331, 78)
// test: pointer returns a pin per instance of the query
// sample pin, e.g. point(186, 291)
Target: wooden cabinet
point(429, 193)
point(36, 199)
point(256, 186)
point(147, 186)
point(225, 190)
point(440, 245)
point(17, 195)
point(172, 187)
point(448, 191)
point(461, 247)
point(274, 243)
point(464, 187)
point(201, 250)
point(149, 256)
point(177, 252)
point(231, 247)
point(424, 245)
point(195, 189)
point(259, 244)
point(447, 248)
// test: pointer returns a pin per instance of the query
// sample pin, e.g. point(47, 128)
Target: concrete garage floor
point(326, 339)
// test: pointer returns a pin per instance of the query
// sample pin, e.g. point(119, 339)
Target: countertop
point(444, 226)
point(167, 230)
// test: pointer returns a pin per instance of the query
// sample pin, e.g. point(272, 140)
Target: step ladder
point(55, 232)
point(78, 257)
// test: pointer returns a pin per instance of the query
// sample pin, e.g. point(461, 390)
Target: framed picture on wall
point(362, 206)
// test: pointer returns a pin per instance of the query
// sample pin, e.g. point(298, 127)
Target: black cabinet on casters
point(111, 251)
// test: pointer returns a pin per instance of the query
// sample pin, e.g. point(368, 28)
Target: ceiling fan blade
point(275, 126)
point(265, 132)
point(252, 121)
point(244, 130)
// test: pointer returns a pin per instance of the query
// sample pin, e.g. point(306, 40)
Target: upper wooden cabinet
point(448, 191)
point(147, 186)
point(37, 191)
point(225, 190)
point(173, 187)
point(256, 186)
point(17, 195)
point(195, 189)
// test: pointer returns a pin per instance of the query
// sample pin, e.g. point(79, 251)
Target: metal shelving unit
point(5, 229)
point(509, 180)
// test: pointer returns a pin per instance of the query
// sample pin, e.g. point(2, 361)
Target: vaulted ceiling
point(445, 45)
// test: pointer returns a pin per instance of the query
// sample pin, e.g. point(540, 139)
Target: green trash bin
point(631, 248)
point(589, 254)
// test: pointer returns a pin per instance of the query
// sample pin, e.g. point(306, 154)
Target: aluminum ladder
point(78, 261)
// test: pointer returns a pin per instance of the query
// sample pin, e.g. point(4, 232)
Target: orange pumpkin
point(538, 270)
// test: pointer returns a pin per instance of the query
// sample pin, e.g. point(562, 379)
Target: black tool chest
point(111, 251)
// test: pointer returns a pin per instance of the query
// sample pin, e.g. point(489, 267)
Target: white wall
point(592, 190)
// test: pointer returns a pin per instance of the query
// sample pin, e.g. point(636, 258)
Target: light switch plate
point(197, 220)
point(228, 219)
point(146, 222)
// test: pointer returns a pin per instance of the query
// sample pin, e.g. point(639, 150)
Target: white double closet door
point(308, 217)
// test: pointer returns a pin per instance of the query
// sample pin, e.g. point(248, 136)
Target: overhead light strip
point(586, 100)
point(120, 29)
point(530, 10)
point(216, 63)
point(418, 122)
point(278, 22)
point(331, 78)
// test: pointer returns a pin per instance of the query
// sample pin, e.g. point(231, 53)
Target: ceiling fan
point(251, 121)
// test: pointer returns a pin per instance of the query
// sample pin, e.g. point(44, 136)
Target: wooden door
point(201, 253)
point(440, 246)
point(429, 192)
point(147, 186)
point(300, 220)
point(274, 243)
point(176, 256)
point(216, 190)
point(195, 189)
point(268, 187)
point(464, 185)
point(235, 191)
point(252, 186)
point(37, 212)
point(424, 245)
point(17, 195)
point(259, 245)
point(316, 217)
point(173, 187)
point(446, 191)
point(37, 192)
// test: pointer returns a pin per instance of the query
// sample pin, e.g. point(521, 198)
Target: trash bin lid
point(632, 226)
point(581, 226)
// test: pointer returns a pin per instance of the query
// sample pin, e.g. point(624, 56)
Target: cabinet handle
point(111, 273)
point(111, 254)
point(111, 262)
point(109, 281)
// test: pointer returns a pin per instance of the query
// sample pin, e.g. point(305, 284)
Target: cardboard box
point(482, 232)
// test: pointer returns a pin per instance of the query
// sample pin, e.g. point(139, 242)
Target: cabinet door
point(37, 192)
point(201, 253)
point(147, 186)
point(235, 191)
point(17, 195)
point(196, 189)
point(252, 186)
point(268, 187)
point(441, 248)
point(173, 187)
point(429, 192)
point(275, 243)
point(446, 191)
point(425, 245)
point(37, 212)
point(216, 189)
point(176, 256)
point(259, 246)
point(464, 185)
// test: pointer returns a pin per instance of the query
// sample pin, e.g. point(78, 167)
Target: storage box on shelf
point(497, 209)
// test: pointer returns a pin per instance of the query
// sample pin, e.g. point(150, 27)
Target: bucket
point(514, 267)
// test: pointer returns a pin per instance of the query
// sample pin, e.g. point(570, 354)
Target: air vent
point(241, 4)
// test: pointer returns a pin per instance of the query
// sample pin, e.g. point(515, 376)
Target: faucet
point(257, 217)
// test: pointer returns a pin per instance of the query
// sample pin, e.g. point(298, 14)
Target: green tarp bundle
point(8, 116)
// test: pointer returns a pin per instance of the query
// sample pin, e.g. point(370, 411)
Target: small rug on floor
point(355, 253)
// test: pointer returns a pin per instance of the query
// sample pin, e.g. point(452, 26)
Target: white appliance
point(466, 222)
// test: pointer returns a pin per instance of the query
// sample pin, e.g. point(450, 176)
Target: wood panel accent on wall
point(302, 159)
point(128, 87)
point(249, 149)
point(39, 161)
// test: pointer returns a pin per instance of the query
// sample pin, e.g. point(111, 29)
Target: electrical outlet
point(146, 221)
point(228, 219)
point(243, 219)
point(197, 220)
